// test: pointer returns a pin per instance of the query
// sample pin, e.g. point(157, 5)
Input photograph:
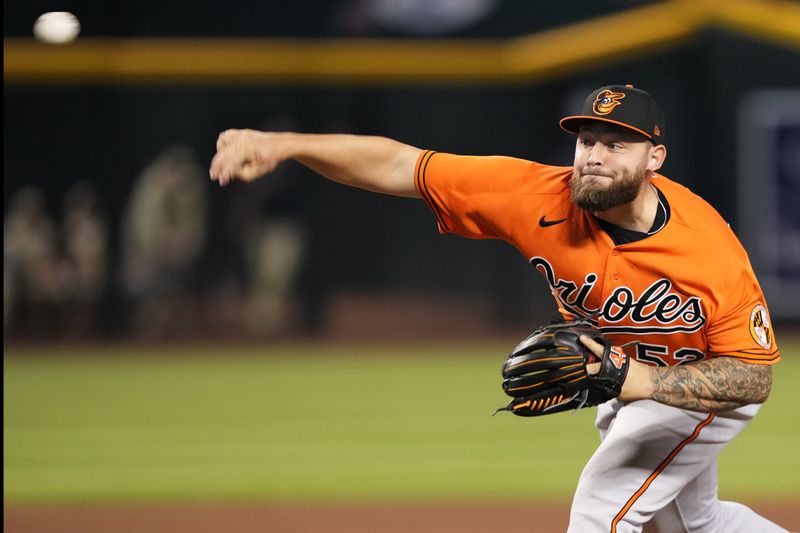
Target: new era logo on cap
point(623, 105)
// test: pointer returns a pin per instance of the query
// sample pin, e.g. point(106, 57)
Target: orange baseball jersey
point(685, 293)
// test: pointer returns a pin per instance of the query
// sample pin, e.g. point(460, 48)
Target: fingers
point(224, 138)
point(229, 164)
point(240, 155)
point(220, 170)
point(225, 162)
point(595, 347)
point(593, 369)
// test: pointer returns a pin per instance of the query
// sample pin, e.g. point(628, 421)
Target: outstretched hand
point(244, 155)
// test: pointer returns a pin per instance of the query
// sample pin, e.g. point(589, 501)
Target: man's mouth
point(596, 175)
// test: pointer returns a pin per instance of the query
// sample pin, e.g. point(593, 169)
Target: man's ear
point(656, 156)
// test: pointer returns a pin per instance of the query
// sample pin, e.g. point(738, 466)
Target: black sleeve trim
point(422, 186)
point(766, 358)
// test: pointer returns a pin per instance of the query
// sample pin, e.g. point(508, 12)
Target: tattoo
point(718, 384)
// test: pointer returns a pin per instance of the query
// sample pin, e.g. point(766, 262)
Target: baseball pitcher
point(665, 328)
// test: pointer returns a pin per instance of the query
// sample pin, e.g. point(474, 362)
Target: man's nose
point(595, 155)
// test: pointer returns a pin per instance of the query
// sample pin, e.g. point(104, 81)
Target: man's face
point(611, 166)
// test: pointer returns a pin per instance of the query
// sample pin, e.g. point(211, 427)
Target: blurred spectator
point(163, 235)
point(34, 272)
point(85, 237)
point(9, 294)
point(274, 249)
point(266, 228)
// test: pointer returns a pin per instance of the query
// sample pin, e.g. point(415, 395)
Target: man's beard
point(621, 191)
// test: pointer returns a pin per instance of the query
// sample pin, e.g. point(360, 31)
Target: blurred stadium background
point(287, 342)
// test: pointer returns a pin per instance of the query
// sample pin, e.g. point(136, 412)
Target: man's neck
point(637, 215)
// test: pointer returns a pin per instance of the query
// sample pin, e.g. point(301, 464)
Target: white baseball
point(56, 27)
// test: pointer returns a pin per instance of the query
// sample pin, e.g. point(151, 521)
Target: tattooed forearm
point(719, 384)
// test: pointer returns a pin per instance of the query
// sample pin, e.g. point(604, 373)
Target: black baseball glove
point(546, 373)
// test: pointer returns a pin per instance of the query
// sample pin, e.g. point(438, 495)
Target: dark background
point(359, 242)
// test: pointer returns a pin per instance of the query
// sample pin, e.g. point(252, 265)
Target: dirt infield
point(310, 519)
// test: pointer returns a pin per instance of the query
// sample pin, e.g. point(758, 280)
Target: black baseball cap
point(623, 105)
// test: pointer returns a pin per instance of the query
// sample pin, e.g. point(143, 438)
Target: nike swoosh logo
point(545, 223)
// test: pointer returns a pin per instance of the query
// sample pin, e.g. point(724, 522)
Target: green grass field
point(317, 423)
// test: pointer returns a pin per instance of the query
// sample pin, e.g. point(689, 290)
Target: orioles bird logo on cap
point(606, 101)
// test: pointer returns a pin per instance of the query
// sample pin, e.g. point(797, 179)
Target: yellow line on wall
point(775, 21)
point(243, 60)
point(267, 61)
point(603, 41)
